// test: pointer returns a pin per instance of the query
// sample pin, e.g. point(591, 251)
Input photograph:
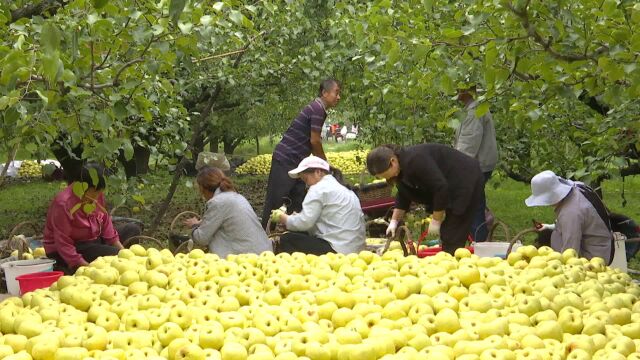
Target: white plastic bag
point(218, 160)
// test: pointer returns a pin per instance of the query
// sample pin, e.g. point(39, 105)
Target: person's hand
point(191, 222)
point(276, 215)
point(543, 227)
point(118, 245)
point(391, 229)
point(434, 227)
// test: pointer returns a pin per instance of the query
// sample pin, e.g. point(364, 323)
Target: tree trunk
point(257, 145)
point(230, 145)
point(197, 146)
point(195, 137)
point(213, 144)
point(139, 164)
point(197, 129)
point(10, 158)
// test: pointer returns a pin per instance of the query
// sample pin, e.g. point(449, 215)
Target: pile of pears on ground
point(150, 304)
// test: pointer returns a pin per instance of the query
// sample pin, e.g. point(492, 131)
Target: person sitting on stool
point(331, 219)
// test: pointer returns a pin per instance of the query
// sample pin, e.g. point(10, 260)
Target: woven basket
point(373, 191)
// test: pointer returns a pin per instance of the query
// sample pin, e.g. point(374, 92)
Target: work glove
point(434, 227)
point(542, 227)
point(391, 229)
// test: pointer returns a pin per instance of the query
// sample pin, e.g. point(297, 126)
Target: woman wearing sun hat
point(582, 220)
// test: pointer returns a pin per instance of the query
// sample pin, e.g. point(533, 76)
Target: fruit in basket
point(39, 252)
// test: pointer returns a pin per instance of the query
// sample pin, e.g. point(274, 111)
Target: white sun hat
point(310, 162)
point(547, 189)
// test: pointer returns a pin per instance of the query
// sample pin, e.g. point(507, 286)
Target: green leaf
point(236, 17)
point(452, 33)
point(31, 148)
point(482, 109)
point(218, 6)
point(99, 4)
point(609, 7)
point(128, 150)
point(79, 188)
point(89, 208)
point(120, 110)
point(43, 97)
point(50, 38)
point(50, 64)
point(175, 9)
point(93, 173)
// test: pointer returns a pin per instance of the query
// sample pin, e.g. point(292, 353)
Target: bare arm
point(316, 145)
point(398, 214)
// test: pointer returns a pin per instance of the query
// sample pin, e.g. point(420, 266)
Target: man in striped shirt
point(302, 138)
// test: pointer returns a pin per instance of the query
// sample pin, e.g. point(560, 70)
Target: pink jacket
point(63, 229)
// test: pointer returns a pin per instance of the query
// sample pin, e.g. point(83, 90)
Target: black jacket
point(437, 176)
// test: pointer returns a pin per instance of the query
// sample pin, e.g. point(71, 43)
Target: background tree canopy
point(125, 79)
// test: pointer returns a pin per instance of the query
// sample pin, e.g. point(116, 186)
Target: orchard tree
point(561, 77)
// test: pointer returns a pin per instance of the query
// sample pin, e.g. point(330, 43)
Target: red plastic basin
point(39, 280)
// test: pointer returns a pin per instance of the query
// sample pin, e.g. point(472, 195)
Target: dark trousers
point(302, 242)
point(281, 187)
point(91, 250)
point(479, 230)
point(454, 230)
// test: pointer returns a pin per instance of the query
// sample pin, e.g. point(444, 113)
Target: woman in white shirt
point(331, 219)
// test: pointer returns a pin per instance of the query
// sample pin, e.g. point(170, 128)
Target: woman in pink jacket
point(79, 228)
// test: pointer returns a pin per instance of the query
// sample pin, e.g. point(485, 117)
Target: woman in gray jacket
point(229, 224)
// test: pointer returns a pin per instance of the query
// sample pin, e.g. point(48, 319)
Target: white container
point(13, 269)
point(493, 249)
point(620, 255)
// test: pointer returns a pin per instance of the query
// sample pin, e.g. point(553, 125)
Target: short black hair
point(328, 84)
point(379, 159)
point(93, 174)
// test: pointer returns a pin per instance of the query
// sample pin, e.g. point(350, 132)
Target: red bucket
point(39, 280)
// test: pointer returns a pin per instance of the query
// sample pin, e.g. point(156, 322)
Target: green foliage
point(539, 65)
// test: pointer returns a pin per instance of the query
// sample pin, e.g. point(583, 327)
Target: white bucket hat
point(311, 162)
point(547, 189)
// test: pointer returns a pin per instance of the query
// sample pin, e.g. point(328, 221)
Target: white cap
point(311, 162)
point(547, 189)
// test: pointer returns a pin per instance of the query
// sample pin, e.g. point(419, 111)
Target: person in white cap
point(582, 220)
point(331, 219)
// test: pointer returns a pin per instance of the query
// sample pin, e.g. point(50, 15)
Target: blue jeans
point(479, 230)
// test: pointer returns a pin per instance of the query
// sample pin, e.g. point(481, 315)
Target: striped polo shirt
point(296, 142)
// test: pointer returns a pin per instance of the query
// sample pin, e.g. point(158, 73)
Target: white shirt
point(332, 212)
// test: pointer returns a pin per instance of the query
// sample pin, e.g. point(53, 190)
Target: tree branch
point(116, 79)
point(546, 44)
point(218, 56)
point(31, 10)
